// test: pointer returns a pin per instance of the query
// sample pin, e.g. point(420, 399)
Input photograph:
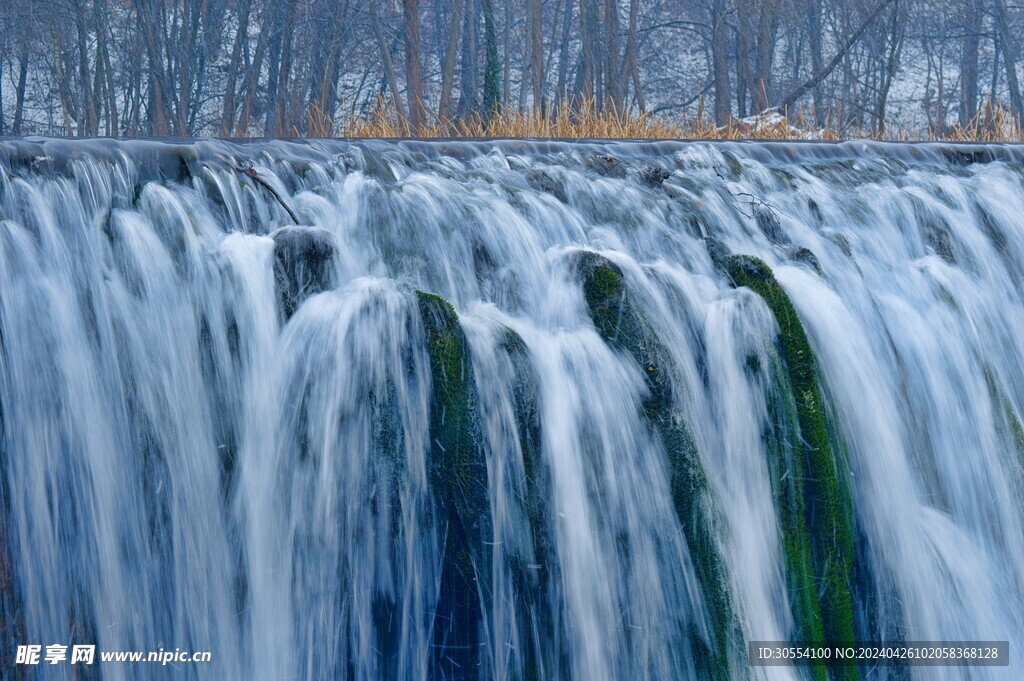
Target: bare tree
point(262, 67)
point(450, 55)
point(1008, 40)
point(413, 77)
point(720, 61)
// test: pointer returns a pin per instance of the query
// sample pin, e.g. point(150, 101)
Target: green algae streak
point(812, 485)
point(457, 472)
point(618, 319)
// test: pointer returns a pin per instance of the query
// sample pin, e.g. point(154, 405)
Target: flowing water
point(625, 451)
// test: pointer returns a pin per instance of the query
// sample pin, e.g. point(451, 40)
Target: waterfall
point(509, 410)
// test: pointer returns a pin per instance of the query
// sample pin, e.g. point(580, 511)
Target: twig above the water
point(752, 199)
point(251, 173)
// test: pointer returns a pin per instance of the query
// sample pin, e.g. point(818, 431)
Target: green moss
point(458, 476)
point(788, 471)
point(619, 321)
point(813, 487)
point(804, 255)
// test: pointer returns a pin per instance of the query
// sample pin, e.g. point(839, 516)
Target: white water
point(184, 468)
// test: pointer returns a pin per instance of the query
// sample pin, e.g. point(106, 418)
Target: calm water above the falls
point(512, 410)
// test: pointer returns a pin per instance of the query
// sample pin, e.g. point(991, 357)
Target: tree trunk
point(969, 62)
point(814, 35)
point(563, 57)
point(19, 92)
point(389, 66)
point(100, 14)
point(720, 61)
point(612, 69)
point(87, 124)
point(413, 77)
point(492, 68)
point(895, 43)
point(284, 100)
point(767, 28)
point(744, 74)
point(250, 85)
point(160, 106)
point(469, 99)
point(275, 29)
point(537, 55)
point(821, 75)
point(324, 77)
point(227, 119)
point(630, 68)
point(1009, 41)
point(450, 55)
point(585, 76)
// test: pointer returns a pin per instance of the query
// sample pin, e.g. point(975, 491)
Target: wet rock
point(769, 224)
point(620, 321)
point(811, 478)
point(604, 165)
point(12, 621)
point(303, 265)
point(716, 250)
point(940, 240)
point(805, 256)
point(654, 176)
point(535, 574)
point(168, 163)
point(733, 164)
point(964, 155)
point(457, 471)
point(815, 209)
point(840, 240)
point(543, 181)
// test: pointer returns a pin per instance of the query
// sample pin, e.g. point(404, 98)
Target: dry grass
point(583, 120)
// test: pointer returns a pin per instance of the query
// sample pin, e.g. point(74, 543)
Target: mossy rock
point(457, 471)
point(1007, 422)
point(619, 321)
point(840, 240)
point(805, 256)
point(812, 481)
point(535, 576)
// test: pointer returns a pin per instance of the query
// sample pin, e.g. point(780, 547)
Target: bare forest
point(252, 68)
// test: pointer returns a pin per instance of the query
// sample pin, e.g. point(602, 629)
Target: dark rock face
point(606, 166)
point(619, 318)
point(812, 480)
point(535, 574)
point(458, 476)
point(654, 176)
point(303, 265)
point(769, 224)
point(805, 256)
point(543, 181)
point(12, 624)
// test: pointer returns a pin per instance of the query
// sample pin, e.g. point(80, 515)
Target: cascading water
point(511, 410)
